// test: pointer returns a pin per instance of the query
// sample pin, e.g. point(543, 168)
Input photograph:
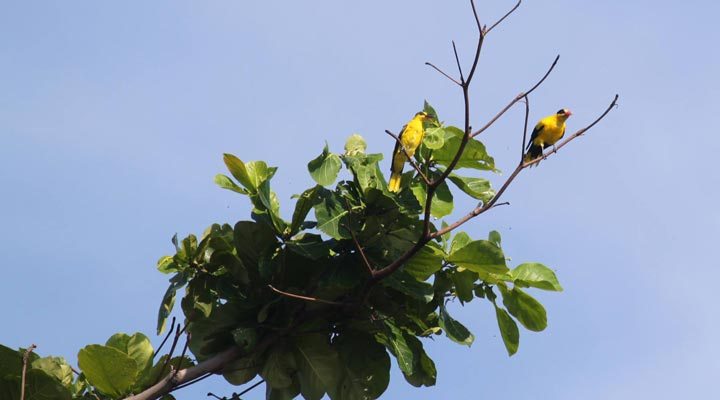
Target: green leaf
point(525, 308)
point(477, 188)
point(271, 205)
point(355, 145)
point(245, 338)
point(332, 215)
point(474, 155)
point(508, 330)
point(364, 367)
point(429, 110)
point(241, 371)
point(318, 366)
point(480, 256)
point(239, 171)
point(325, 167)
point(251, 240)
point(108, 369)
point(259, 172)
point(55, 367)
point(494, 238)
point(425, 262)
point(227, 183)
point(10, 362)
point(168, 302)
point(137, 346)
point(166, 265)
point(464, 284)
point(366, 170)
point(442, 203)
point(460, 240)
point(309, 245)
point(454, 330)
point(279, 368)
point(535, 275)
point(407, 284)
point(41, 386)
point(434, 138)
point(303, 206)
point(160, 370)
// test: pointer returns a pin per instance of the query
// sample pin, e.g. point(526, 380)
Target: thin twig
point(504, 16)
point(178, 332)
point(166, 338)
point(182, 355)
point(516, 99)
point(521, 165)
point(407, 155)
point(360, 250)
point(306, 298)
point(26, 357)
point(457, 61)
point(443, 73)
point(186, 384)
point(252, 387)
point(527, 115)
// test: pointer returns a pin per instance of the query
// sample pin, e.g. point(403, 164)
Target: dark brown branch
point(172, 324)
point(306, 298)
point(516, 99)
point(443, 73)
point(178, 333)
point(182, 355)
point(522, 165)
point(503, 18)
point(196, 380)
point(407, 155)
point(26, 358)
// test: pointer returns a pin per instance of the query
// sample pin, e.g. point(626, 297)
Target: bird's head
point(424, 116)
point(564, 113)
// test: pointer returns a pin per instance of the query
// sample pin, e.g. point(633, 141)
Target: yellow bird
point(411, 136)
point(546, 133)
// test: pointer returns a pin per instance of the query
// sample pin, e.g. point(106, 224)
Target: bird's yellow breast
point(412, 136)
point(551, 129)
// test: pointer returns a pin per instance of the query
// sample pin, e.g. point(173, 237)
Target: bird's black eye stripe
point(561, 112)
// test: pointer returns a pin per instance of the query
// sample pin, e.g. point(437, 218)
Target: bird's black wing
point(397, 149)
point(536, 131)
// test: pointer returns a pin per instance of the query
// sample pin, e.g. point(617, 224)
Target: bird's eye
point(561, 112)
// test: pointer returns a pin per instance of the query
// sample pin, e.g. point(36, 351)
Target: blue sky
point(114, 118)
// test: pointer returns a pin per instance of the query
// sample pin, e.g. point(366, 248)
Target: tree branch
point(443, 73)
point(26, 358)
point(516, 99)
point(306, 298)
point(503, 18)
point(521, 165)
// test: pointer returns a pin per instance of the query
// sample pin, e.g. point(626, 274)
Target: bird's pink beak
point(568, 112)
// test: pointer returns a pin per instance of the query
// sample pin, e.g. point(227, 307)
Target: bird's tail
point(534, 152)
point(394, 183)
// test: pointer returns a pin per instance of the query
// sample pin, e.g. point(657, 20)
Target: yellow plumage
point(546, 133)
point(411, 136)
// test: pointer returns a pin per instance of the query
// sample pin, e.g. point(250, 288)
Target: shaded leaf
point(508, 330)
point(454, 330)
point(303, 206)
point(525, 308)
point(364, 367)
point(318, 366)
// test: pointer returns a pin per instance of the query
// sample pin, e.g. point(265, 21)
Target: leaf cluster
point(297, 295)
